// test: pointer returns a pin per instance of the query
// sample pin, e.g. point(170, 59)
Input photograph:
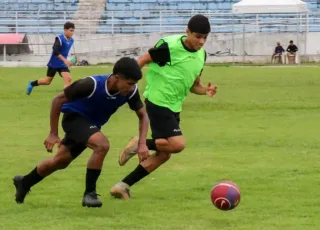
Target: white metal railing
point(150, 21)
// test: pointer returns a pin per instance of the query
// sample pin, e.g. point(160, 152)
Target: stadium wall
point(108, 48)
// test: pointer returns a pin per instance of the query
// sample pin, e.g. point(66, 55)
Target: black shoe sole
point(91, 205)
point(15, 183)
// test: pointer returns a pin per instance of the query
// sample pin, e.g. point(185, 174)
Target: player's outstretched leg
point(100, 146)
point(24, 183)
point(66, 78)
point(122, 188)
point(163, 148)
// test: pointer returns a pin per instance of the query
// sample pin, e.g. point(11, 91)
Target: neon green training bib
point(168, 86)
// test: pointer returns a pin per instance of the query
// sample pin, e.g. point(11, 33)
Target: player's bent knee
point(177, 144)
point(103, 148)
point(99, 143)
point(66, 77)
point(162, 142)
point(178, 147)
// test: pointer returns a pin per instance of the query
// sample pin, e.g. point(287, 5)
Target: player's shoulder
point(60, 36)
point(169, 41)
point(172, 38)
point(100, 77)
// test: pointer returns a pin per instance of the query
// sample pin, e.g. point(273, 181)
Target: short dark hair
point(199, 24)
point(128, 68)
point(291, 41)
point(68, 25)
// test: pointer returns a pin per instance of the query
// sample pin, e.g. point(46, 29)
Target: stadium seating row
point(116, 20)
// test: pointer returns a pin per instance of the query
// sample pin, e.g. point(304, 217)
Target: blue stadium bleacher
point(130, 16)
point(34, 5)
point(34, 16)
point(117, 19)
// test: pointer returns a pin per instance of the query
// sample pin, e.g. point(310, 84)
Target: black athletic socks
point(34, 83)
point(31, 179)
point(136, 175)
point(91, 179)
point(151, 144)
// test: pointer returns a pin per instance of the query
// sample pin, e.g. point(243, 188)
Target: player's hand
point(143, 152)
point(51, 140)
point(211, 90)
point(68, 63)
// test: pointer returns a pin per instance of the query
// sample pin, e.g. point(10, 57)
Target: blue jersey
point(65, 46)
point(100, 105)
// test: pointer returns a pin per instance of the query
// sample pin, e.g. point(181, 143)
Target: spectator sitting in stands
point(292, 51)
point(278, 52)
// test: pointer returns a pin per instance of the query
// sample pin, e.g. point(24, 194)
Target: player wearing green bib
point(175, 66)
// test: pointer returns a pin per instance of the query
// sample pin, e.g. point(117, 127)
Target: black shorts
point(51, 72)
point(77, 130)
point(163, 122)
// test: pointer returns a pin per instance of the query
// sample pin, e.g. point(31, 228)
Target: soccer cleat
point(91, 200)
point(129, 151)
point(29, 88)
point(121, 190)
point(21, 191)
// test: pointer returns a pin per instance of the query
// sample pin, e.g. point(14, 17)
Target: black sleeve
point(80, 89)
point(135, 102)
point(295, 48)
point(160, 54)
point(56, 47)
point(205, 59)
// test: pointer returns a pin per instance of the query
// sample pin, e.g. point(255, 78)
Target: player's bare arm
point(159, 55)
point(53, 137)
point(136, 105)
point(200, 89)
point(66, 61)
point(144, 60)
point(56, 105)
point(143, 151)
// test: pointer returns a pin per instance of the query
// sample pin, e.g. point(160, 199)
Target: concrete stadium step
point(88, 15)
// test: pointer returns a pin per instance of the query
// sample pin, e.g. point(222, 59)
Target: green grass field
point(261, 131)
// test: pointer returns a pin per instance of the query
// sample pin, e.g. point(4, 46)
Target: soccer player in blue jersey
point(59, 59)
point(87, 104)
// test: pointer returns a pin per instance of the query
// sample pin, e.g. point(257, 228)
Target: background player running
point(87, 105)
point(59, 59)
point(176, 63)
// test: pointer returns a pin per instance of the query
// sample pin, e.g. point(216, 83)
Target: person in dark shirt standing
point(59, 59)
point(278, 52)
point(87, 104)
point(292, 51)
